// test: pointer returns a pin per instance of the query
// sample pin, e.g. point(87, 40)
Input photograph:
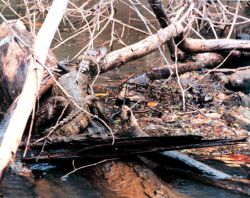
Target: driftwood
point(26, 101)
point(164, 20)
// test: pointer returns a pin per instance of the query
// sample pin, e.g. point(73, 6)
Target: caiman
point(76, 84)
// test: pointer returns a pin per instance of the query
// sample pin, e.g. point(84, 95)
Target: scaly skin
point(76, 85)
point(77, 89)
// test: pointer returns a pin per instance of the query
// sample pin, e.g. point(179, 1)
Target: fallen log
point(214, 45)
point(236, 185)
point(235, 79)
point(129, 179)
point(201, 61)
point(14, 63)
point(121, 56)
point(240, 80)
point(164, 20)
point(26, 101)
point(86, 148)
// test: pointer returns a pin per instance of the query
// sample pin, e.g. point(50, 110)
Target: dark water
point(50, 185)
point(197, 190)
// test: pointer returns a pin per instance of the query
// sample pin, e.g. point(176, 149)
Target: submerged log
point(237, 185)
point(129, 179)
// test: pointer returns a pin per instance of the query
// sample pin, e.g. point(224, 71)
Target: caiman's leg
point(56, 104)
point(48, 111)
point(96, 106)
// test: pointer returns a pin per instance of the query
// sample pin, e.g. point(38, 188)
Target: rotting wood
point(85, 148)
point(129, 179)
point(14, 60)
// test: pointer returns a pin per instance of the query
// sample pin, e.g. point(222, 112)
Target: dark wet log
point(240, 80)
point(237, 99)
point(164, 21)
point(235, 79)
point(214, 45)
point(90, 149)
point(239, 116)
point(205, 169)
point(13, 62)
point(201, 61)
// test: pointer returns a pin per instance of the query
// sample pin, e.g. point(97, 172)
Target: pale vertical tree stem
point(14, 131)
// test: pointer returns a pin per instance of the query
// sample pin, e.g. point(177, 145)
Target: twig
point(86, 166)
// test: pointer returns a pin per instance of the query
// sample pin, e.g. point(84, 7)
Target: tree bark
point(164, 21)
point(121, 56)
point(14, 62)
